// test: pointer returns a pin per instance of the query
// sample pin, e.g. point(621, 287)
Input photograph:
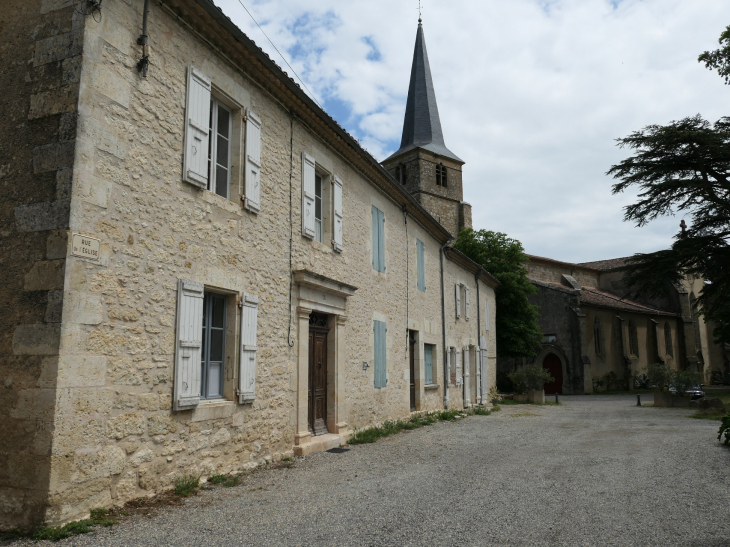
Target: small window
point(441, 177)
point(219, 149)
point(633, 339)
point(668, 346)
point(318, 207)
point(428, 352)
point(213, 346)
point(597, 336)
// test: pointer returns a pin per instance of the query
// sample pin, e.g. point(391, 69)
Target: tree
point(518, 334)
point(684, 167)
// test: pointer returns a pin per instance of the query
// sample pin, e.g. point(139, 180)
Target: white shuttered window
point(337, 236)
point(249, 326)
point(308, 194)
point(253, 162)
point(467, 302)
point(188, 338)
point(197, 115)
point(457, 296)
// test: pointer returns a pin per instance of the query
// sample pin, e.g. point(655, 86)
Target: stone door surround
point(323, 295)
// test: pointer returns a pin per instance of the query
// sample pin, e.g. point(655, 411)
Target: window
point(318, 207)
point(633, 339)
point(379, 330)
point(441, 177)
point(597, 342)
point(668, 346)
point(219, 149)
point(213, 346)
point(428, 351)
point(378, 239)
point(420, 264)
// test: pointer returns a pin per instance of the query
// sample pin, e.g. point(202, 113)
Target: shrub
point(724, 430)
point(217, 479)
point(186, 485)
point(641, 381)
point(535, 377)
point(683, 380)
point(519, 380)
point(659, 375)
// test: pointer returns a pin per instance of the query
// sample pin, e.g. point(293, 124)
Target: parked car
point(695, 392)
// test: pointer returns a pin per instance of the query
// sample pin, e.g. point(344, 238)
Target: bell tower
point(423, 164)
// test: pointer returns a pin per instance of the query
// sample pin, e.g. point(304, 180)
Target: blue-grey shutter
point(381, 241)
point(189, 336)
point(376, 238)
point(249, 327)
point(253, 163)
point(197, 114)
point(428, 363)
point(380, 368)
point(421, 265)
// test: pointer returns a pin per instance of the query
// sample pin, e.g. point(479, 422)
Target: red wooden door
point(318, 382)
point(555, 368)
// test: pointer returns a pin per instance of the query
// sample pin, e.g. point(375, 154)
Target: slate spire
point(422, 126)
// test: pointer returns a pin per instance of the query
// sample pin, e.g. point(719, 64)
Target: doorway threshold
point(320, 443)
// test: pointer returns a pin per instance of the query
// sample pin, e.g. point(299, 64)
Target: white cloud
point(532, 95)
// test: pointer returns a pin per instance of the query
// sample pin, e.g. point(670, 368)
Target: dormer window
point(441, 176)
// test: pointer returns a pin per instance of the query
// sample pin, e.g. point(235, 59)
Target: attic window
point(441, 179)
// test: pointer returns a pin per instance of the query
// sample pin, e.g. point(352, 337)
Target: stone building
point(202, 270)
point(596, 337)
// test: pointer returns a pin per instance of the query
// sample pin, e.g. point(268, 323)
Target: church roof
point(422, 125)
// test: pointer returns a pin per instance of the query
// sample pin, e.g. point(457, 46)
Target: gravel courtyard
point(595, 471)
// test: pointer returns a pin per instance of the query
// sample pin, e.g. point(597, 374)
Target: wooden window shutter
point(308, 192)
point(197, 116)
point(452, 365)
point(428, 363)
point(457, 295)
point(337, 228)
point(381, 241)
point(188, 342)
point(380, 354)
point(247, 363)
point(458, 366)
point(486, 314)
point(253, 162)
point(467, 302)
point(420, 264)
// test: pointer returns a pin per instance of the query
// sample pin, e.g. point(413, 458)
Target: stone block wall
point(89, 348)
point(40, 55)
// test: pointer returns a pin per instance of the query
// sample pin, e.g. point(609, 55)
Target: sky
point(532, 95)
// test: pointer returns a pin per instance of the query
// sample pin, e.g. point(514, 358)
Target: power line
point(279, 52)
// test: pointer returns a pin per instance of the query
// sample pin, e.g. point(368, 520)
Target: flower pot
point(662, 399)
point(537, 397)
point(521, 398)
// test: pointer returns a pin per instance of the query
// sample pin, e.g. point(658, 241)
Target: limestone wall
point(116, 436)
point(40, 47)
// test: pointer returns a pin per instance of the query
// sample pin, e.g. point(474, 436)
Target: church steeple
point(422, 125)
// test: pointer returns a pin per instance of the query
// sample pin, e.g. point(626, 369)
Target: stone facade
point(579, 302)
point(92, 346)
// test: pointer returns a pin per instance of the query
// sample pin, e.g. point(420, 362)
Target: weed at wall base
point(187, 484)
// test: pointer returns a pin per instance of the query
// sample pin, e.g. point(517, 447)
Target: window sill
point(213, 410)
point(431, 386)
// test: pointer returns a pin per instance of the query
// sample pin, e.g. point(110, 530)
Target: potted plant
point(519, 385)
point(660, 376)
point(536, 377)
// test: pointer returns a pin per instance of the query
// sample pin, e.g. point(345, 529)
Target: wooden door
point(555, 368)
point(317, 382)
point(412, 358)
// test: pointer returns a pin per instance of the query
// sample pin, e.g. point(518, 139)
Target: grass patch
point(709, 415)
point(218, 479)
point(391, 427)
point(287, 459)
point(99, 517)
point(186, 485)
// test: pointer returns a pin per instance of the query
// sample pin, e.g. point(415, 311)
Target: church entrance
point(553, 365)
point(318, 373)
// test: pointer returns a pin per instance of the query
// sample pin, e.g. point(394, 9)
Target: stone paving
point(596, 470)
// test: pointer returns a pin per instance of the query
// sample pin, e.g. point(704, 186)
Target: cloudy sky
point(532, 95)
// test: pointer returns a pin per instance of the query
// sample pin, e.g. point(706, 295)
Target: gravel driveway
point(595, 471)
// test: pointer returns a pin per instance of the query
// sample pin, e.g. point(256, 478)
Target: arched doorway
point(554, 366)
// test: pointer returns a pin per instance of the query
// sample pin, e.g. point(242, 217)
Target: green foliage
point(187, 484)
point(287, 459)
point(683, 380)
point(724, 430)
point(391, 427)
point(719, 59)
point(641, 381)
point(517, 331)
point(217, 479)
point(659, 375)
point(530, 377)
point(99, 517)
